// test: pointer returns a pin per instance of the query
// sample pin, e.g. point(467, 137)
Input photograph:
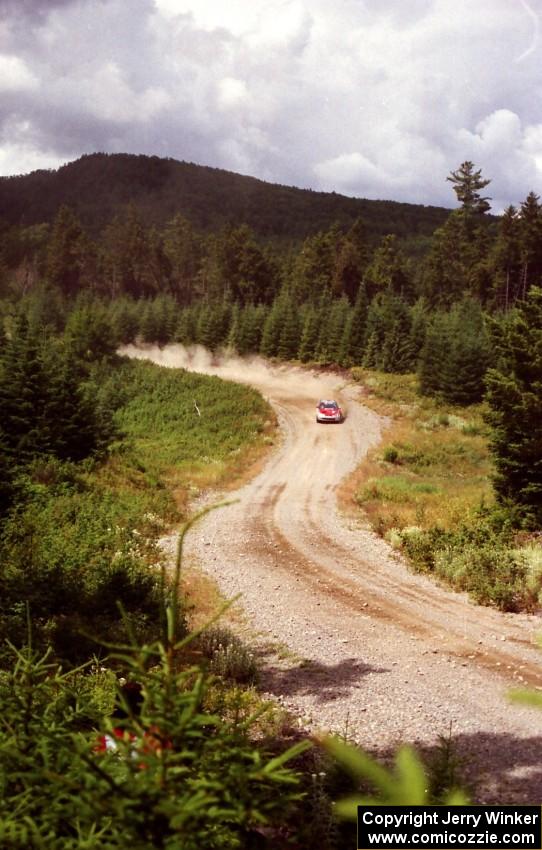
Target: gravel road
point(373, 650)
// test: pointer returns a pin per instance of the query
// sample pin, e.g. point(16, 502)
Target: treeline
point(98, 186)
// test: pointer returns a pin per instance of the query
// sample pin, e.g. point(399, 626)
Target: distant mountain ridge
point(97, 186)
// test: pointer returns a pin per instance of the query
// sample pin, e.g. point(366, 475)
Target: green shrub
point(178, 778)
point(490, 573)
point(476, 557)
point(71, 555)
point(391, 455)
point(228, 656)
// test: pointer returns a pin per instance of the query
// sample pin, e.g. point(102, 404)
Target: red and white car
point(329, 411)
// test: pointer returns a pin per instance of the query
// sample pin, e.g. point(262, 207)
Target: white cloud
point(21, 159)
point(15, 75)
point(231, 92)
point(379, 98)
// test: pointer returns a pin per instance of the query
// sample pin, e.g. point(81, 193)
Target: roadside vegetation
point(100, 456)
point(428, 490)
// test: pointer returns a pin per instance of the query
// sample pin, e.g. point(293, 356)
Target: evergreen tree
point(45, 308)
point(66, 252)
point(467, 184)
point(46, 408)
point(332, 329)
point(234, 332)
point(24, 394)
point(434, 354)
point(350, 262)
point(387, 271)
point(124, 320)
point(456, 264)
point(187, 325)
point(89, 332)
point(418, 325)
point(530, 234)
point(78, 426)
point(131, 256)
point(251, 322)
point(290, 330)
point(353, 339)
point(468, 359)
point(309, 334)
point(389, 346)
point(314, 266)
point(514, 395)
point(183, 251)
point(455, 355)
point(273, 324)
point(505, 260)
point(213, 324)
point(149, 325)
point(238, 269)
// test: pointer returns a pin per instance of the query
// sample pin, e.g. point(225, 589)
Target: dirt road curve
point(376, 651)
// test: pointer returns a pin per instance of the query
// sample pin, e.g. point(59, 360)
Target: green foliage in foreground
point(409, 784)
point(179, 777)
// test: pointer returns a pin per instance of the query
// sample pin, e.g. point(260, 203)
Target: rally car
point(329, 411)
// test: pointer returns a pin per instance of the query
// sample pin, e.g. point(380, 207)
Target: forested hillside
point(98, 186)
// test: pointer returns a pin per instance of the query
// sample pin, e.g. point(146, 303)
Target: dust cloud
point(276, 382)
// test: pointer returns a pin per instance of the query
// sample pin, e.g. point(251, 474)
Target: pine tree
point(290, 331)
point(65, 252)
point(387, 271)
point(251, 322)
point(514, 395)
point(89, 332)
point(455, 355)
point(353, 339)
point(505, 260)
point(464, 374)
point(351, 259)
point(309, 334)
point(314, 266)
point(389, 345)
point(125, 320)
point(418, 325)
point(332, 328)
point(131, 256)
point(274, 321)
point(234, 332)
point(468, 184)
point(433, 360)
point(46, 407)
point(183, 250)
point(530, 234)
point(24, 393)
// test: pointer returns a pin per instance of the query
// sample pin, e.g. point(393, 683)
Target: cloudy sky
point(372, 98)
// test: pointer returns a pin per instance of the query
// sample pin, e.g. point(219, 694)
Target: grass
point(433, 465)
point(183, 433)
point(427, 489)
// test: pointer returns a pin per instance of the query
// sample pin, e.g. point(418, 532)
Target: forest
point(111, 250)
point(98, 186)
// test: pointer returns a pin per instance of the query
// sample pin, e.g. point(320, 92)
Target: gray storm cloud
point(375, 99)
